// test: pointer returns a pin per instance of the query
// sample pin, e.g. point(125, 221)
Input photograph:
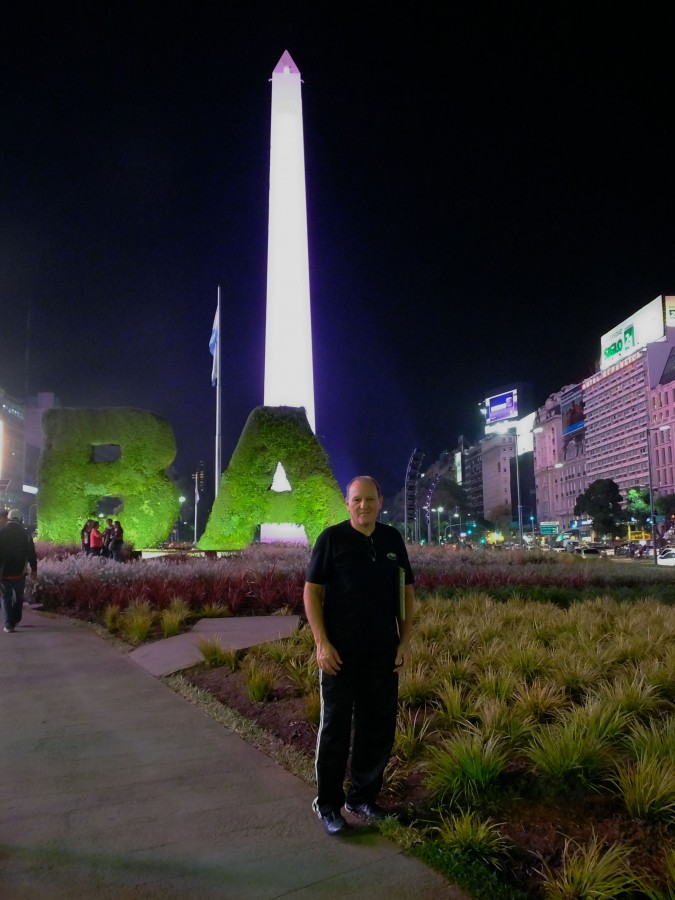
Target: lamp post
point(439, 510)
point(181, 500)
point(520, 507)
point(651, 486)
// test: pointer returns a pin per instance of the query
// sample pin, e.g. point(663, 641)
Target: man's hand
point(328, 658)
point(402, 655)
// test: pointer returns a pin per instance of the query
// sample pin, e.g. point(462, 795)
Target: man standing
point(359, 601)
point(16, 552)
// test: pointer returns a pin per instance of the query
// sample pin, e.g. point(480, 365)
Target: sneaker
point(371, 812)
point(9, 629)
point(332, 821)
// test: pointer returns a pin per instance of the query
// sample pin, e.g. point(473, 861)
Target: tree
point(602, 502)
point(637, 504)
point(665, 505)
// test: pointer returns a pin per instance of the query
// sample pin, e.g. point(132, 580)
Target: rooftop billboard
point(642, 328)
point(501, 407)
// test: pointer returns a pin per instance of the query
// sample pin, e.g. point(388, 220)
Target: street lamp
point(177, 526)
point(651, 486)
point(520, 506)
point(532, 524)
point(438, 510)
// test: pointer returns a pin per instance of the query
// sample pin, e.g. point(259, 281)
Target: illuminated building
point(628, 401)
point(12, 450)
point(559, 456)
point(469, 473)
point(496, 452)
point(20, 448)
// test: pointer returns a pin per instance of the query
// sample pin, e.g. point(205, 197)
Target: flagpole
point(218, 423)
point(196, 502)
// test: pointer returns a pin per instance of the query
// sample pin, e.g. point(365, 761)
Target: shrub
point(412, 730)
point(464, 768)
point(111, 617)
point(215, 610)
point(215, 656)
point(136, 621)
point(473, 838)
point(259, 682)
point(540, 700)
point(313, 707)
point(173, 617)
point(590, 872)
point(417, 685)
point(647, 787)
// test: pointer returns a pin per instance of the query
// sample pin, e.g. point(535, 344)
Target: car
point(666, 557)
point(588, 552)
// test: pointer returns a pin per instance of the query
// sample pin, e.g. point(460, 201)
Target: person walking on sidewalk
point(17, 551)
point(358, 599)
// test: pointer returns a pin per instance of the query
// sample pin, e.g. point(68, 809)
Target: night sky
point(490, 189)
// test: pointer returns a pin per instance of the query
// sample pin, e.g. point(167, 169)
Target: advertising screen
point(642, 328)
point(572, 410)
point(501, 407)
point(670, 311)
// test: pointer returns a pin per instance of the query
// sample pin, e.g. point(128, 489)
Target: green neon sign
point(627, 342)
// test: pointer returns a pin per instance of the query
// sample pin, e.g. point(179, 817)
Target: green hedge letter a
point(75, 475)
point(275, 439)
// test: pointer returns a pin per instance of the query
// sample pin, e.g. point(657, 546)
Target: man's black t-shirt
point(361, 576)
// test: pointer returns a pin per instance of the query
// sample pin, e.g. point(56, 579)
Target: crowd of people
point(108, 542)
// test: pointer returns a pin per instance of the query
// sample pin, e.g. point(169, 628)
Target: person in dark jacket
point(17, 551)
point(359, 597)
point(117, 540)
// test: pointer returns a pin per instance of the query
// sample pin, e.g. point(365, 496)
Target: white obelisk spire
point(289, 377)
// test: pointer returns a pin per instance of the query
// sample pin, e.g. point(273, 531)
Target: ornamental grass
point(591, 871)
point(473, 838)
point(260, 680)
point(136, 621)
point(215, 655)
point(465, 768)
point(647, 787)
point(174, 617)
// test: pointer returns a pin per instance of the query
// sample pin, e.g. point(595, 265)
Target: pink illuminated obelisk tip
point(286, 64)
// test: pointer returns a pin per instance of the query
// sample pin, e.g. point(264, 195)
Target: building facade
point(497, 451)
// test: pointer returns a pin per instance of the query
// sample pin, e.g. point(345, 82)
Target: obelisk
point(289, 376)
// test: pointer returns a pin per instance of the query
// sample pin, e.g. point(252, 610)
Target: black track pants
point(365, 691)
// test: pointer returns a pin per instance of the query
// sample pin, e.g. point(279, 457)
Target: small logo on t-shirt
point(392, 556)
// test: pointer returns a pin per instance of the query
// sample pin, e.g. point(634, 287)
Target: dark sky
point(490, 188)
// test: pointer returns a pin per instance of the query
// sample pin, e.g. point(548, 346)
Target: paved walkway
point(113, 787)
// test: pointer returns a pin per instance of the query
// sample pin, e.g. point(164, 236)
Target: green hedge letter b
point(91, 454)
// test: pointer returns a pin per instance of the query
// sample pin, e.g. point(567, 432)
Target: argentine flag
point(213, 345)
